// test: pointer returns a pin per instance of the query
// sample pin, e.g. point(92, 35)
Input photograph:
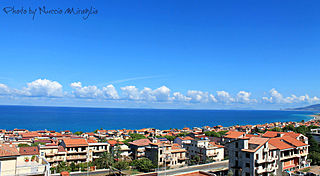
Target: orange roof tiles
point(8, 150)
point(75, 142)
point(279, 144)
point(234, 134)
point(29, 150)
point(141, 142)
point(293, 141)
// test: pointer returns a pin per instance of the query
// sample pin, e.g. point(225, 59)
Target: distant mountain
point(315, 107)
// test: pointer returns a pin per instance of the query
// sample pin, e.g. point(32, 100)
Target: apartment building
point(73, 150)
point(167, 155)
point(53, 153)
point(183, 140)
point(268, 155)
point(13, 163)
point(138, 148)
point(206, 150)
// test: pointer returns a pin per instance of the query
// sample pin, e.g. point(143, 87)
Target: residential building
point(13, 163)
point(138, 148)
point(166, 155)
point(249, 156)
point(206, 150)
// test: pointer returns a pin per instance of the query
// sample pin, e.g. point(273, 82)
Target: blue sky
point(215, 54)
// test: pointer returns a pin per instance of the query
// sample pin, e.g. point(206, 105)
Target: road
point(203, 167)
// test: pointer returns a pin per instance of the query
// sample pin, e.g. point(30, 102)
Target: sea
point(90, 119)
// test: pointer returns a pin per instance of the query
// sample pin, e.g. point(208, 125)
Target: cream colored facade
point(16, 165)
point(205, 149)
point(166, 155)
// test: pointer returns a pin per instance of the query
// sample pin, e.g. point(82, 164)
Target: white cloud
point(93, 92)
point(110, 92)
point(130, 92)
point(162, 93)
point(47, 88)
point(198, 96)
point(4, 89)
point(43, 88)
point(179, 97)
point(224, 97)
point(276, 97)
point(244, 97)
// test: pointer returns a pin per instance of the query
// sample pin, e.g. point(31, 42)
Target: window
point(248, 165)
point(247, 155)
point(247, 174)
point(237, 145)
point(236, 153)
point(257, 156)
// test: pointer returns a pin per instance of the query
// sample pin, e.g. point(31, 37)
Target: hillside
point(315, 107)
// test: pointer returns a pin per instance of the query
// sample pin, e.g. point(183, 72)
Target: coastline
point(315, 117)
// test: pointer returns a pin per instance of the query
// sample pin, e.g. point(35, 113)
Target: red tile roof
point(279, 143)
point(8, 150)
point(293, 141)
point(75, 142)
point(141, 142)
point(234, 134)
point(29, 150)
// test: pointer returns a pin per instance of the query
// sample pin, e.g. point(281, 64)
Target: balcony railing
point(76, 157)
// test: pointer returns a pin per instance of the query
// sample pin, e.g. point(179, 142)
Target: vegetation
point(143, 164)
point(23, 145)
point(215, 134)
point(133, 137)
point(38, 143)
point(183, 134)
point(170, 138)
point(121, 165)
point(78, 133)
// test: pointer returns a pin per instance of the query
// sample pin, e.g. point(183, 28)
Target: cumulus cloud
point(52, 89)
point(200, 97)
point(130, 92)
point(224, 97)
point(4, 89)
point(146, 94)
point(277, 97)
point(43, 88)
point(179, 97)
point(93, 92)
point(244, 97)
point(162, 93)
point(110, 92)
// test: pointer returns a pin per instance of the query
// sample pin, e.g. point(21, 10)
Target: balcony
point(76, 157)
point(213, 154)
point(76, 151)
point(49, 154)
point(101, 150)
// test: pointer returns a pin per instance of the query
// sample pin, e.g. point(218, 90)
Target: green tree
point(183, 134)
point(121, 165)
point(23, 145)
point(170, 138)
point(143, 164)
point(78, 133)
point(212, 134)
point(104, 161)
point(277, 129)
point(315, 158)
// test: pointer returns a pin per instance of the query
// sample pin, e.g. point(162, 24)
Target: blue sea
point(89, 119)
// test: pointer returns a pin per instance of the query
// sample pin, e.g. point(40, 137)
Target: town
point(279, 148)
